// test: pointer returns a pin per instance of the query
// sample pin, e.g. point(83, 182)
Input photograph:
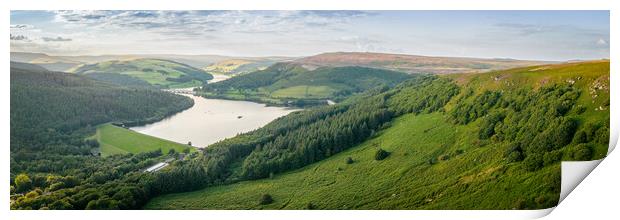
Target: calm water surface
point(212, 120)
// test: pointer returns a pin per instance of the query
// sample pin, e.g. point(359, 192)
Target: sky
point(531, 35)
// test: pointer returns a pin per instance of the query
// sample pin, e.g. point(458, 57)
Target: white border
point(608, 172)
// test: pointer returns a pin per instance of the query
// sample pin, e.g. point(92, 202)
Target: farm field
point(156, 72)
point(117, 140)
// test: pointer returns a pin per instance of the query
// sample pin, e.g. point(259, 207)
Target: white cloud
point(204, 21)
point(58, 39)
point(601, 42)
point(21, 26)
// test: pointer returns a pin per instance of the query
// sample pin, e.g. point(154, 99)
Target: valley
point(443, 139)
point(434, 160)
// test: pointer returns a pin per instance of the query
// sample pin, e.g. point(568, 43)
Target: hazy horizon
point(523, 35)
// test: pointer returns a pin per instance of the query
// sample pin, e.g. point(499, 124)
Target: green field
point(156, 72)
point(316, 92)
point(284, 82)
point(117, 140)
point(404, 180)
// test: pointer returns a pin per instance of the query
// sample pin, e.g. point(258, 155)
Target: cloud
point(19, 37)
point(56, 39)
point(601, 42)
point(538, 29)
point(205, 21)
point(21, 26)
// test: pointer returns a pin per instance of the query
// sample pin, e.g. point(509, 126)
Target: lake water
point(212, 120)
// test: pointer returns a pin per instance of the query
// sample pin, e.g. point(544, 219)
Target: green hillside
point(52, 114)
point(156, 72)
point(239, 66)
point(497, 144)
point(285, 83)
point(117, 140)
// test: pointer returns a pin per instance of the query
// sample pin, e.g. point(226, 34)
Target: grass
point(304, 92)
point(153, 71)
point(404, 180)
point(117, 140)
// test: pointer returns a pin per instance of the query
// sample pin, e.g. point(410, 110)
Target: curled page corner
point(573, 172)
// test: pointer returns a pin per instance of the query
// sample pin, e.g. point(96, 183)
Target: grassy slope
point(477, 178)
point(404, 180)
point(592, 77)
point(153, 71)
point(117, 140)
point(323, 83)
point(238, 66)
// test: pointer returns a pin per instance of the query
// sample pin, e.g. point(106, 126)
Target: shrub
point(310, 206)
point(580, 137)
point(57, 186)
point(602, 135)
point(266, 199)
point(580, 109)
point(432, 161)
point(22, 183)
point(349, 160)
point(444, 157)
point(487, 127)
point(533, 162)
point(581, 152)
point(554, 181)
point(381, 154)
point(514, 153)
point(552, 157)
point(459, 152)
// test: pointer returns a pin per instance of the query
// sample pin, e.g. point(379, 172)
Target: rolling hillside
point(286, 83)
point(413, 63)
point(156, 72)
point(498, 141)
point(48, 62)
point(242, 65)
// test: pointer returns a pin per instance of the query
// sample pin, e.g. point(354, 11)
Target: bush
point(381, 154)
point(22, 183)
point(487, 127)
point(580, 137)
point(349, 160)
point(266, 199)
point(533, 162)
point(580, 109)
point(310, 206)
point(57, 186)
point(602, 135)
point(432, 161)
point(514, 153)
point(581, 152)
point(552, 157)
point(444, 157)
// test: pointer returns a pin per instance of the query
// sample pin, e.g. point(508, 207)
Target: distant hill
point(282, 83)
point(413, 63)
point(243, 65)
point(156, 72)
point(48, 62)
point(27, 66)
point(66, 63)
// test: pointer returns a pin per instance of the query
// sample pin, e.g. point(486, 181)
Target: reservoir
point(212, 120)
